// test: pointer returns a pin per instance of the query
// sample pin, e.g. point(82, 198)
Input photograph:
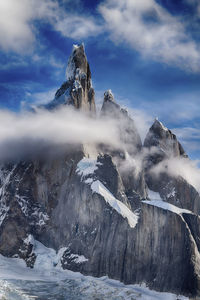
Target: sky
point(146, 51)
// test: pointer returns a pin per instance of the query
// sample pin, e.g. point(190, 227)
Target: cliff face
point(163, 145)
point(96, 208)
point(77, 90)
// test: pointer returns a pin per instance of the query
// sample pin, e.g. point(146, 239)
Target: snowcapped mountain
point(105, 211)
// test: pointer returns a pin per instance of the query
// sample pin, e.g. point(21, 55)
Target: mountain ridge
point(92, 201)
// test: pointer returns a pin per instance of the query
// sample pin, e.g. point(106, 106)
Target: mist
point(180, 166)
point(27, 133)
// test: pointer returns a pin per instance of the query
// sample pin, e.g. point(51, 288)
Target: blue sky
point(146, 51)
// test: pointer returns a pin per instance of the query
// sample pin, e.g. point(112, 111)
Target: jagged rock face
point(93, 208)
point(133, 180)
point(77, 90)
point(163, 141)
point(175, 190)
point(128, 132)
point(163, 144)
point(83, 219)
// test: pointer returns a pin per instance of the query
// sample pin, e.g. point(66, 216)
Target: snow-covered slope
point(17, 282)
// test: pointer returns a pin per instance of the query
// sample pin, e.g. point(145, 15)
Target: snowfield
point(48, 281)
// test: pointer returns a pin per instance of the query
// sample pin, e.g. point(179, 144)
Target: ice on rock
point(160, 124)
point(46, 258)
point(121, 208)
point(157, 201)
point(108, 96)
point(71, 70)
point(76, 85)
point(78, 259)
point(87, 166)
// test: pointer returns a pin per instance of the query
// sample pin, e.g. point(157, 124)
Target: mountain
point(77, 89)
point(102, 209)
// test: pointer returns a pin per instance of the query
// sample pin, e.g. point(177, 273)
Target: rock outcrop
point(77, 90)
point(163, 146)
point(97, 209)
point(127, 157)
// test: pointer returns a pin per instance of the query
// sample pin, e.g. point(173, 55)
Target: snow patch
point(161, 124)
point(76, 86)
point(39, 217)
point(89, 180)
point(109, 95)
point(156, 200)
point(172, 193)
point(46, 258)
point(121, 208)
point(154, 195)
point(87, 166)
point(168, 206)
point(75, 46)
point(78, 259)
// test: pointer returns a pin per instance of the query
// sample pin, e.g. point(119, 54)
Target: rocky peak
point(110, 107)
point(77, 90)
point(108, 96)
point(130, 146)
point(77, 63)
point(161, 137)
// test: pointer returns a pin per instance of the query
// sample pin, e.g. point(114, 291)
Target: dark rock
point(98, 213)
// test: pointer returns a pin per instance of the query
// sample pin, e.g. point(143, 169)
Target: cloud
point(144, 25)
point(187, 133)
point(149, 28)
point(16, 22)
point(189, 137)
point(19, 32)
point(143, 121)
point(28, 132)
point(26, 135)
point(78, 27)
point(38, 98)
point(177, 166)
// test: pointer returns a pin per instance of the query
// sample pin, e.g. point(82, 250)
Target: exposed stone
point(84, 204)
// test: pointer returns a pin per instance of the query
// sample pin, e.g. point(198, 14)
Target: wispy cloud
point(26, 133)
point(177, 166)
point(149, 28)
point(38, 98)
point(189, 137)
point(16, 21)
point(78, 26)
point(143, 25)
point(18, 29)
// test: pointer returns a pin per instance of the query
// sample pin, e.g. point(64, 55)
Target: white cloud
point(147, 27)
point(183, 167)
point(17, 31)
point(143, 121)
point(38, 98)
point(28, 132)
point(188, 132)
point(174, 109)
point(189, 137)
point(78, 27)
